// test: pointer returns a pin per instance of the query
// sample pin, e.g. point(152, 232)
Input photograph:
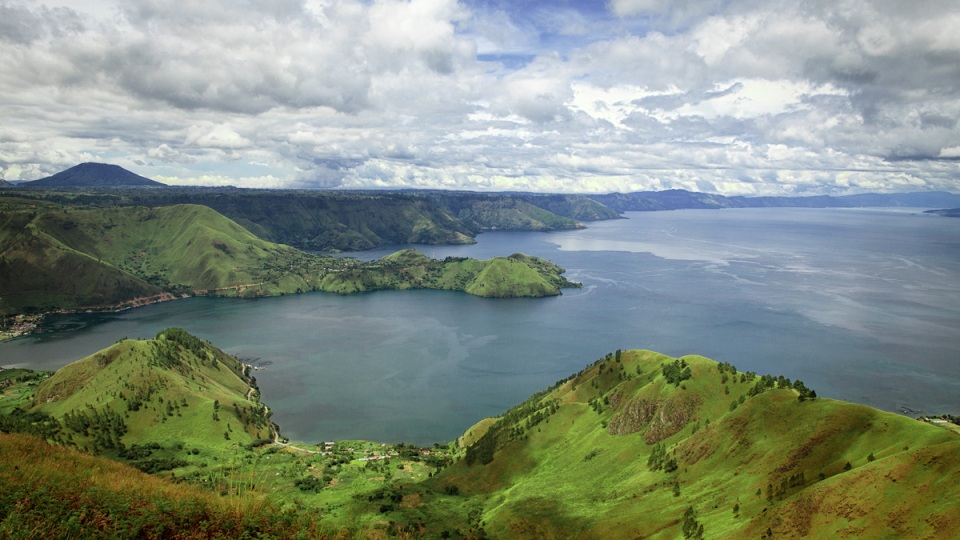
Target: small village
point(18, 326)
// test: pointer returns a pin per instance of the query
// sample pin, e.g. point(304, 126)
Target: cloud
point(741, 97)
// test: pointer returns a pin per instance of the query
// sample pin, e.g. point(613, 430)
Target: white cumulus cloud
point(737, 97)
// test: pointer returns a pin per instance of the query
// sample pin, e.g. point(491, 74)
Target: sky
point(737, 97)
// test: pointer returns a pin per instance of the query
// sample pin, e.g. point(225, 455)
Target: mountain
point(520, 211)
point(643, 445)
point(677, 199)
point(173, 387)
point(171, 402)
point(355, 220)
point(359, 220)
point(5, 184)
point(673, 199)
point(87, 258)
point(637, 444)
point(87, 175)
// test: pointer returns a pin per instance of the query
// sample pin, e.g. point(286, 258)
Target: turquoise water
point(862, 305)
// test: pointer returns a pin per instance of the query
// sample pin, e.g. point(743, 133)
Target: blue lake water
point(862, 305)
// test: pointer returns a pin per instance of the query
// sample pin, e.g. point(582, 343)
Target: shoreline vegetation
point(716, 451)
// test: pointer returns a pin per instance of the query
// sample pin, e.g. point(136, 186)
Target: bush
point(158, 464)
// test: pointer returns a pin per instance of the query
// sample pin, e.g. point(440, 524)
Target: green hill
point(175, 389)
point(53, 257)
point(485, 212)
point(67, 258)
point(352, 220)
point(54, 492)
point(515, 276)
point(619, 451)
point(637, 445)
point(173, 402)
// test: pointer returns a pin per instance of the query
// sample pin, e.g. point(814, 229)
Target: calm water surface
point(863, 305)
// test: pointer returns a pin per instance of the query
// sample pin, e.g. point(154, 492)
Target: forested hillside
point(351, 220)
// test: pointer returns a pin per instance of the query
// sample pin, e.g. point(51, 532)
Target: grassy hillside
point(619, 451)
point(323, 221)
point(484, 212)
point(183, 410)
point(636, 445)
point(55, 492)
point(515, 276)
point(175, 388)
point(55, 257)
point(353, 220)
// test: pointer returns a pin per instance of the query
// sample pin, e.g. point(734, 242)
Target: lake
point(861, 304)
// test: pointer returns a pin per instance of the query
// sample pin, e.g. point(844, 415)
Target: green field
point(637, 444)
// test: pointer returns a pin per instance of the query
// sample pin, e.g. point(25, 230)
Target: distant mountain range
point(99, 175)
point(677, 199)
point(947, 212)
point(94, 175)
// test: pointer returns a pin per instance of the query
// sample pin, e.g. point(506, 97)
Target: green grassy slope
point(515, 276)
point(38, 273)
point(68, 258)
point(164, 406)
point(174, 389)
point(184, 244)
point(576, 461)
point(353, 220)
point(54, 492)
point(337, 222)
point(636, 445)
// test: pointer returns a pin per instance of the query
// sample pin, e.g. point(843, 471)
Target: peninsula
point(57, 258)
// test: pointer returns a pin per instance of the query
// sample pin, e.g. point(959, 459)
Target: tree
point(692, 529)
point(676, 372)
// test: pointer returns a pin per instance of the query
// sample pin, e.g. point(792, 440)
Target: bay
point(861, 304)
